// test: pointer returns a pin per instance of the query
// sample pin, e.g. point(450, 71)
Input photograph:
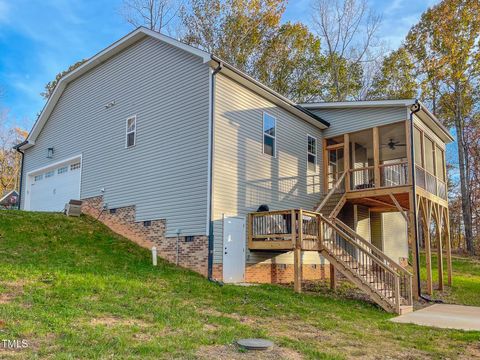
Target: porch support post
point(448, 245)
point(413, 243)
point(376, 157)
point(346, 160)
point(333, 282)
point(439, 220)
point(427, 214)
point(297, 256)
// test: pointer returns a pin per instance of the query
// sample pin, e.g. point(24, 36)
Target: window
point(75, 166)
point(62, 170)
point(189, 238)
point(49, 174)
point(131, 131)
point(113, 211)
point(38, 177)
point(147, 223)
point(312, 152)
point(269, 134)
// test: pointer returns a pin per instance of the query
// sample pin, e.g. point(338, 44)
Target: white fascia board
point(358, 104)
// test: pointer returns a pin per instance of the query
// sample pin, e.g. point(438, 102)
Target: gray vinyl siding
point(165, 175)
point(244, 177)
point(344, 121)
point(395, 239)
point(362, 217)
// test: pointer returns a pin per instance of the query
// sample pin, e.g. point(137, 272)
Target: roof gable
point(96, 60)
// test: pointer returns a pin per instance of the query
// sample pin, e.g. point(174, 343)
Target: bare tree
point(348, 29)
point(10, 161)
point(158, 15)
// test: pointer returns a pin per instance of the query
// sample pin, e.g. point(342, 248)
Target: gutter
point(210, 175)
point(17, 148)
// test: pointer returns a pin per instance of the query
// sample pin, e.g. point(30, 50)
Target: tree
point(396, 79)
point(445, 45)
point(348, 30)
point(10, 160)
point(156, 15)
point(50, 86)
point(236, 31)
point(290, 63)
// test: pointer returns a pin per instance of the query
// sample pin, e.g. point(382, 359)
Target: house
point(171, 146)
point(9, 200)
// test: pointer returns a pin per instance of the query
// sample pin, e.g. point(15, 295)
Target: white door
point(50, 189)
point(233, 249)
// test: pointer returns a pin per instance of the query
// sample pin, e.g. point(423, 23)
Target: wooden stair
point(367, 267)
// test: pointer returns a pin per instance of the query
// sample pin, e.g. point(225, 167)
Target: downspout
point(414, 109)
point(210, 190)
point(17, 148)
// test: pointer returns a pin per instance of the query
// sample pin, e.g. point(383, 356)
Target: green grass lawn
point(73, 289)
point(465, 287)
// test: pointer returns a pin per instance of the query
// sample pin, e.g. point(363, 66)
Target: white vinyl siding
point(244, 177)
point(168, 90)
point(344, 121)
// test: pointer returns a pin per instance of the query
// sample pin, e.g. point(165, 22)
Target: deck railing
point(394, 174)
point(306, 230)
point(362, 178)
point(430, 182)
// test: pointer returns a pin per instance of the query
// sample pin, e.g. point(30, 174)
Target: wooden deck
point(297, 230)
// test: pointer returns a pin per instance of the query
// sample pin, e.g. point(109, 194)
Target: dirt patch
point(472, 352)
point(13, 290)
point(233, 352)
point(241, 318)
point(110, 321)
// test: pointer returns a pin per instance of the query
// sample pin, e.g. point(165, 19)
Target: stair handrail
point(349, 239)
point(371, 246)
point(331, 192)
point(392, 266)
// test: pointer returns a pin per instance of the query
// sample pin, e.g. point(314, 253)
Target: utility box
point(73, 208)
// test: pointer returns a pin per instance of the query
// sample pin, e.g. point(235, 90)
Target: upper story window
point(312, 152)
point(269, 134)
point(131, 131)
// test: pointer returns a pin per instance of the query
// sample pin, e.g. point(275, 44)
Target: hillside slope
point(73, 289)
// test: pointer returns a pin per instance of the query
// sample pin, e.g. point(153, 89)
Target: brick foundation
point(276, 273)
point(192, 254)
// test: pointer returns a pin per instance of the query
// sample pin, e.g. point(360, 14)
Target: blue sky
point(38, 39)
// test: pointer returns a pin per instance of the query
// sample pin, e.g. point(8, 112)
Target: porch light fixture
point(50, 153)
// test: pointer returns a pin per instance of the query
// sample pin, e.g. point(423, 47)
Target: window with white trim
point(131, 131)
point(62, 170)
point(75, 166)
point(49, 174)
point(312, 153)
point(38, 177)
point(269, 134)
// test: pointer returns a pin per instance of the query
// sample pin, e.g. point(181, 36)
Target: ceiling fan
point(393, 144)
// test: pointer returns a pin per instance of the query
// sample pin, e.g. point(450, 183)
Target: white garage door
point(50, 189)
